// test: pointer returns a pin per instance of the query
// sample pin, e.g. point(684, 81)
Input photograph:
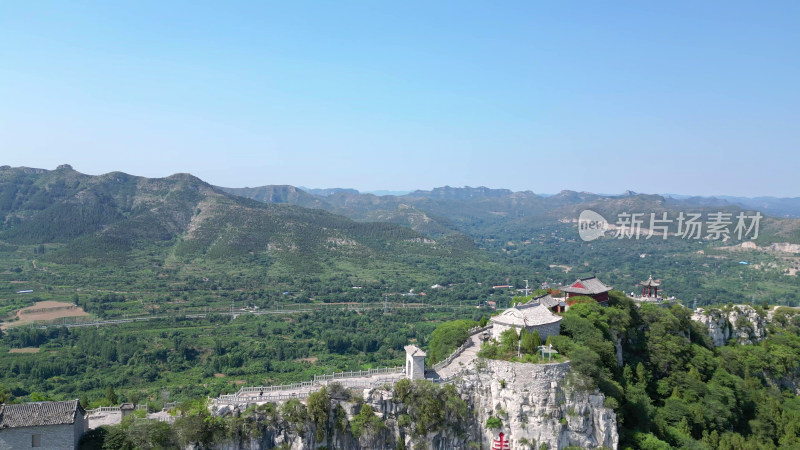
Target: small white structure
point(415, 363)
point(531, 316)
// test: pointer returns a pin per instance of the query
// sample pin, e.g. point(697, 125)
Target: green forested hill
point(537, 236)
point(182, 227)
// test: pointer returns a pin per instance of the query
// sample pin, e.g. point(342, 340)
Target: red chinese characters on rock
point(501, 443)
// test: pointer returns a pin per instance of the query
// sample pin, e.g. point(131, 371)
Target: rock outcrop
point(537, 407)
point(741, 322)
point(533, 401)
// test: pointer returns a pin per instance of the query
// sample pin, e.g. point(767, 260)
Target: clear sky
point(689, 97)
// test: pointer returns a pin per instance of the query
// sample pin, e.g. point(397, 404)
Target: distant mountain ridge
point(278, 194)
point(773, 206)
point(476, 211)
point(329, 191)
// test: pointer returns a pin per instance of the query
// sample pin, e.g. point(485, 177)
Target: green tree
point(530, 341)
point(111, 396)
point(294, 412)
point(366, 422)
point(447, 337)
point(319, 406)
point(509, 339)
point(5, 395)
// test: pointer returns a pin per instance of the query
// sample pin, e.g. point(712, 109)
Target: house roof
point(528, 315)
point(413, 350)
point(546, 300)
point(587, 286)
point(40, 413)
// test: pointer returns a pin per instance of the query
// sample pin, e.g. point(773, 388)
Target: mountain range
point(479, 211)
point(180, 228)
point(178, 220)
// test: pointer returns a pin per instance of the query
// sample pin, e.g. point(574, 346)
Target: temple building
point(590, 287)
point(650, 287)
point(531, 316)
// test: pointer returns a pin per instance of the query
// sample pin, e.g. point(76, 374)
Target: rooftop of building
point(527, 315)
point(586, 286)
point(40, 413)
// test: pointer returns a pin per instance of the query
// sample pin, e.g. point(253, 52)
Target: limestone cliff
point(536, 407)
point(533, 401)
point(741, 322)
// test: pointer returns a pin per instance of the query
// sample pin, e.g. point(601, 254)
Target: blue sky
point(681, 97)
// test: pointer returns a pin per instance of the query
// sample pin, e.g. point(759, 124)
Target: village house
point(45, 425)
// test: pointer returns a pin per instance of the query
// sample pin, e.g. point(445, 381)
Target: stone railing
point(441, 379)
point(366, 384)
point(281, 387)
point(236, 400)
point(357, 373)
point(475, 330)
point(103, 409)
point(453, 355)
point(167, 419)
point(464, 346)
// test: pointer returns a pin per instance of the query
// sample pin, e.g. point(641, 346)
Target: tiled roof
point(527, 315)
point(590, 285)
point(546, 300)
point(651, 282)
point(414, 350)
point(39, 413)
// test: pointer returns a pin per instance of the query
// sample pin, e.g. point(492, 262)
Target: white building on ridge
point(531, 316)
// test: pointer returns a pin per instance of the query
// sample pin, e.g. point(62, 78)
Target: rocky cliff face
point(536, 407)
point(533, 402)
point(740, 322)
